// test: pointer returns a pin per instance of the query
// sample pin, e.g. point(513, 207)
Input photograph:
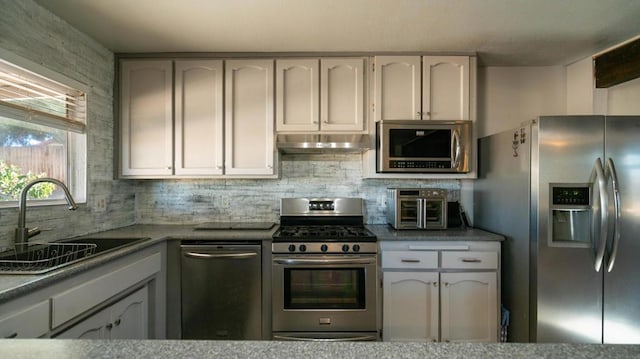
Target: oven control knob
point(302, 248)
point(324, 247)
point(356, 248)
point(292, 248)
point(345, 247)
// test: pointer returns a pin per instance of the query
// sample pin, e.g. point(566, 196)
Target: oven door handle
point(302, 261)
point(346, 339)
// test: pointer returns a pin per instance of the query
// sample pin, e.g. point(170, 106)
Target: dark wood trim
point(619, 65)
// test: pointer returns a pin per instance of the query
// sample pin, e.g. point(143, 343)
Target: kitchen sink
point(45, 257)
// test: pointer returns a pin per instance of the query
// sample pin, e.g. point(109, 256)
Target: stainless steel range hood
point(324, 143)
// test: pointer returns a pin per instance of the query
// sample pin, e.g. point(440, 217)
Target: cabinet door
point(198, 117)
point(397, 88)
point(146, 122)
point(341, 94)
point(445, 89)
point(410, 306)
point(469, 307)
point(94, 327)
point(130, 316)
point(297, 95)
point(249, 136)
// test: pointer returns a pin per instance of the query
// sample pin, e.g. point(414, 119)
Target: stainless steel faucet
point(22, 232)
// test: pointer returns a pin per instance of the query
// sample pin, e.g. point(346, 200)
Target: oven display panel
point(316, 288)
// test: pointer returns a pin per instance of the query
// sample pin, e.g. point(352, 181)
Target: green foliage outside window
point(12, 181)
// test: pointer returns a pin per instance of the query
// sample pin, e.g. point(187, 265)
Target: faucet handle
point(31, 232)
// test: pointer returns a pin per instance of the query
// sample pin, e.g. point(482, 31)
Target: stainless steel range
point(324, 271)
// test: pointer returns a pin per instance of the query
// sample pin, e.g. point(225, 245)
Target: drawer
point(31, 322)
point(410, 259)
point(470, 260)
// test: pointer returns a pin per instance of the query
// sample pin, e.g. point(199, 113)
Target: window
point(42, 132)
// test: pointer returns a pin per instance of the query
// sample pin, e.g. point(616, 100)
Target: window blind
point(27, 96)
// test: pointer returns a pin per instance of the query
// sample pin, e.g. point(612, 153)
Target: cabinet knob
point(109, 326)
point(218, 167)
point(118, 321)
point(12, 335)
point(168, 167)
point(446, 284)
point(270, 167)
point(435, 284)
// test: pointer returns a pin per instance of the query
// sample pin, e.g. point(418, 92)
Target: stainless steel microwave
point(423, 146)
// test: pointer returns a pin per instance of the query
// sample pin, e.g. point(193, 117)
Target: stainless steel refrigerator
point(565, 191)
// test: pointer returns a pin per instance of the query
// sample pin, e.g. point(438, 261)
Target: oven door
point(321, 293)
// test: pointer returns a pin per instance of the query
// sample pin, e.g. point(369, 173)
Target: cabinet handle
point(109, 326)
point(118, 321)
point(471, 260)
point(12, 335)
point(409, 260)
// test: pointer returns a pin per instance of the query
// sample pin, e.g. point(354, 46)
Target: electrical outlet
point(224, 201)
point(100, 204)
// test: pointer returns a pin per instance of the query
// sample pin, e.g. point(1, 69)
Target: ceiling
point(502, 32)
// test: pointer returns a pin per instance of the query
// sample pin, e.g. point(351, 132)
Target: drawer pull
point(408, 260)
point(471, 260)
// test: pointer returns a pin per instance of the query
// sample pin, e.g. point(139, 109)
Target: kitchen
point(551, 88)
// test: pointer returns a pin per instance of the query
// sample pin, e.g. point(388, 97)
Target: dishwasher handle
point(241, 255)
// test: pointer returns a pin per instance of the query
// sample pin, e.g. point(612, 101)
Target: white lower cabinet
point(468, 307)
point(410, 306)
point(439, 294)
point(125, 319)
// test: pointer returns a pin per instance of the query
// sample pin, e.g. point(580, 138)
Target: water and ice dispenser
point(570, 208)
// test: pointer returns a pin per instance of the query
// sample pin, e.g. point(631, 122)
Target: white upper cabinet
point(341, 94)
point(146, 118)
point(249, 117)
point(323, 95)
point(437, 90)
point(199, 117)
point(445, 89)
point(297, 95)
point(174, 123)
point(397, 88)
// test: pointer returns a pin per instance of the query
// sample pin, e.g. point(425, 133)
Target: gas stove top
point(323, 233)
point(322, 225)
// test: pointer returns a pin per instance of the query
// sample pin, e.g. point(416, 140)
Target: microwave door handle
point(421, 221)
point(456, 148)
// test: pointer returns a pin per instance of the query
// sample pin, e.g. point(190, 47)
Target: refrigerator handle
point(599, 239)
point(610, 171)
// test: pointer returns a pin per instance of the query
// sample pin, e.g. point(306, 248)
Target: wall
point(507, 96)
point(196, 201)
point(33, 33)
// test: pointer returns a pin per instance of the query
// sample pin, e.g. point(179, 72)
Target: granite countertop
point(385, 232)
point(60, 348)
point(12, 286)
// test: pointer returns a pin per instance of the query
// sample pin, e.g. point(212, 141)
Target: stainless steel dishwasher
point(221, 290)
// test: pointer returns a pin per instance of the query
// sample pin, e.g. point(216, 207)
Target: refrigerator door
point(566, 296)
point(622, 283)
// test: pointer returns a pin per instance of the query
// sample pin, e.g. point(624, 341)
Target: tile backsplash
point(336, 175)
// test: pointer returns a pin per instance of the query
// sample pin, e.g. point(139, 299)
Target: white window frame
point(77, 138)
